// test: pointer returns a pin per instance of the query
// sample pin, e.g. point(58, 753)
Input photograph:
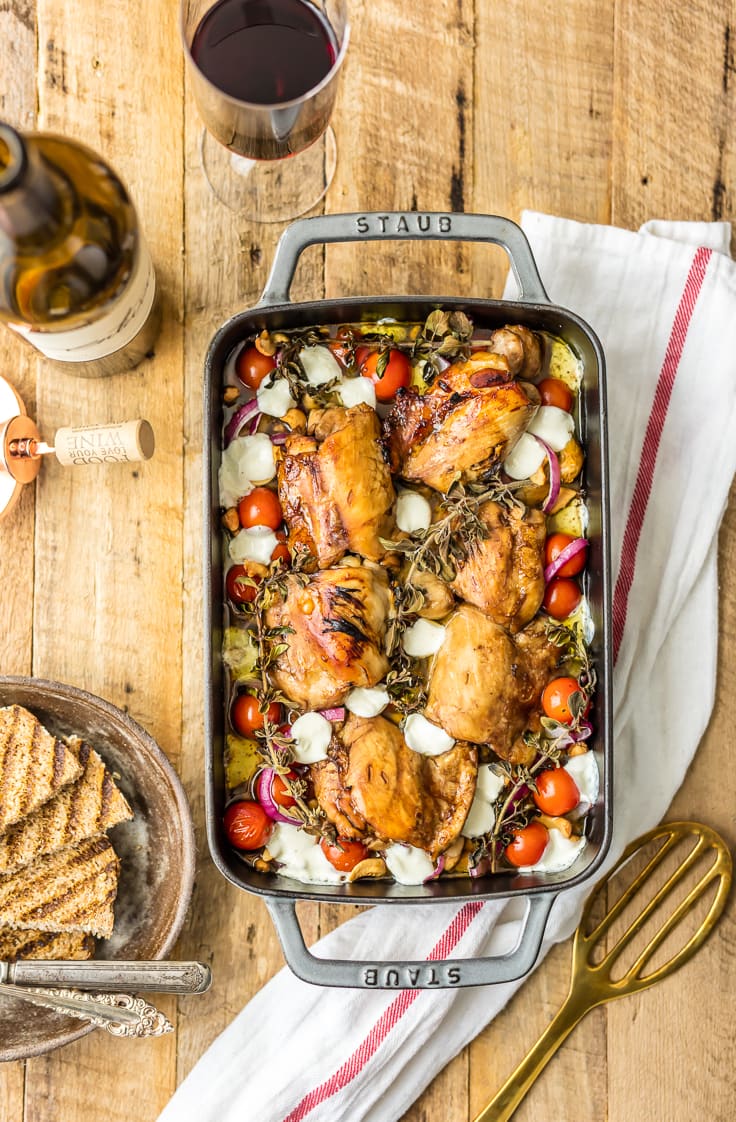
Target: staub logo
point(411, 977)
point(409, 223)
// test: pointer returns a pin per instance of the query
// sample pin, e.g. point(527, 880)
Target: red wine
point(264, 51)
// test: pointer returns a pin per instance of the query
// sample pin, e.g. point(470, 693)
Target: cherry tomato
point(252, 367)
point(553, 548)
point(247, 825)
point(361, 354)
point(561, 597)
point(281, 552)
point(246, 716)
point(280, 792)
point(555, 392)
point(237, 590)
point(261, 508)
point(557, 792)
point(556, 699)
point(345, 855)
point(528, 845)
point(396, 374)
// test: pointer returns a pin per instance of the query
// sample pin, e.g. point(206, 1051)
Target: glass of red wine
point(264, 74)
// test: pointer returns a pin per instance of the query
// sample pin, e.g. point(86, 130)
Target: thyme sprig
point(444, 335)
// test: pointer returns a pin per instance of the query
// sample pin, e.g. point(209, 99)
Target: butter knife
point(113, 974)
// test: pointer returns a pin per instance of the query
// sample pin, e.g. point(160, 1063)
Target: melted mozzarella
point(407, 864)
point(413, 512)
point(232, 477)
point(257, 543)
point(560, 853)
point(423, 638)
point(320, 365)
point(584, 771)
point(555, 426)
point(357, 391)
point(255, 462)
point(300, 856)
point(312, 734)
point(274, 397)
point(366, 702)
point(424, 737)
point(481, 815)
point(524, 458)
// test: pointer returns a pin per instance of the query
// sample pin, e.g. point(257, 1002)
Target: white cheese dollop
point(413, 512)
point(560, 853)
point(357, 391)
point(367, 702)
point(274, 396)
point(481, 815)
point(423, 638)
point(256, 543)
point(301, 857)
point(232, 477)
point(320, 365)
point(424, 737)
point(584, 771)
point(555, 426)
point(407, 864)
point(524, 458)
point(312, 734)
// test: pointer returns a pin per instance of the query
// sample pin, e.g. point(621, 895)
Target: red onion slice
point(565, 555)
point(253, 426)
point(279, 437)
point(554, 475)
point(264, 790)
point(238, 419)
point(337, 714)
point(439, 868)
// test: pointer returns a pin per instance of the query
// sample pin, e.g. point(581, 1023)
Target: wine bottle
point(76, 277)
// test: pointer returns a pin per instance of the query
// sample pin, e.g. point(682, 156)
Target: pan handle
point(402, 225)
point(419, 975)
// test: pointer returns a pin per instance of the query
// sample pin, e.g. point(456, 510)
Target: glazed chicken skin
point(485, 685)
point(375, 785)
point(335, 486)
point(468, 420)
point(504, 572)
point(337, 621)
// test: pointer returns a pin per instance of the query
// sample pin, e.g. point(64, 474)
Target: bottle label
point(113, 330)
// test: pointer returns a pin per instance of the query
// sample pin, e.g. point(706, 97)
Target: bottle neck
point(31, 206)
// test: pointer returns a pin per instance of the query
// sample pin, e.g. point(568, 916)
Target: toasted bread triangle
point(44, 945)
point(34, 765)
point(83, 809)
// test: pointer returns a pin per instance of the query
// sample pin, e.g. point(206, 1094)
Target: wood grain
point(600, 110)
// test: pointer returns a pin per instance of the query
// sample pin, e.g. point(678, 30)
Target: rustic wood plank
point(19, 364)
point(112, 539)
point(686, 51)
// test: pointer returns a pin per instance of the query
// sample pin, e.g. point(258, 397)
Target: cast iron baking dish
point(533, 308)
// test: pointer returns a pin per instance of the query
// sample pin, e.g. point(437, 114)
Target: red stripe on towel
point(648, 458)
point(388, 1019)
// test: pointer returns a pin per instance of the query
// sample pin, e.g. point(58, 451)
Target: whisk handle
point(507, 1099)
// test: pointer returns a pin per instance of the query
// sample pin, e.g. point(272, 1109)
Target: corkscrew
point(22, 448)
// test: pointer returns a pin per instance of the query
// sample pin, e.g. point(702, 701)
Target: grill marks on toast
point(83, 809)
point(34, 765)
point(72, 890)
point(49, 945)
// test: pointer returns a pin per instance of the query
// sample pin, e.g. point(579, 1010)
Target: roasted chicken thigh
point(504, 572)
point(469, 419)
point(376, 785)
point(337, 622)
point(335, 486)
point(485, 685)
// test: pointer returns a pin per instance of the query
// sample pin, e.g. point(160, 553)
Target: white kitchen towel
point(663, 302)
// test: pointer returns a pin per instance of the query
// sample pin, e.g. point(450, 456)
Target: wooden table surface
point(599, 110)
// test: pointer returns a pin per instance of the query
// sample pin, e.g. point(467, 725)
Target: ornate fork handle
point(118, 1013)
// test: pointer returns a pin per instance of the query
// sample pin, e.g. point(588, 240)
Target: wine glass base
point(270, 190)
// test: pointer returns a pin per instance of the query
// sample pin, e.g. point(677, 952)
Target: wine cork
point(125, 442)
